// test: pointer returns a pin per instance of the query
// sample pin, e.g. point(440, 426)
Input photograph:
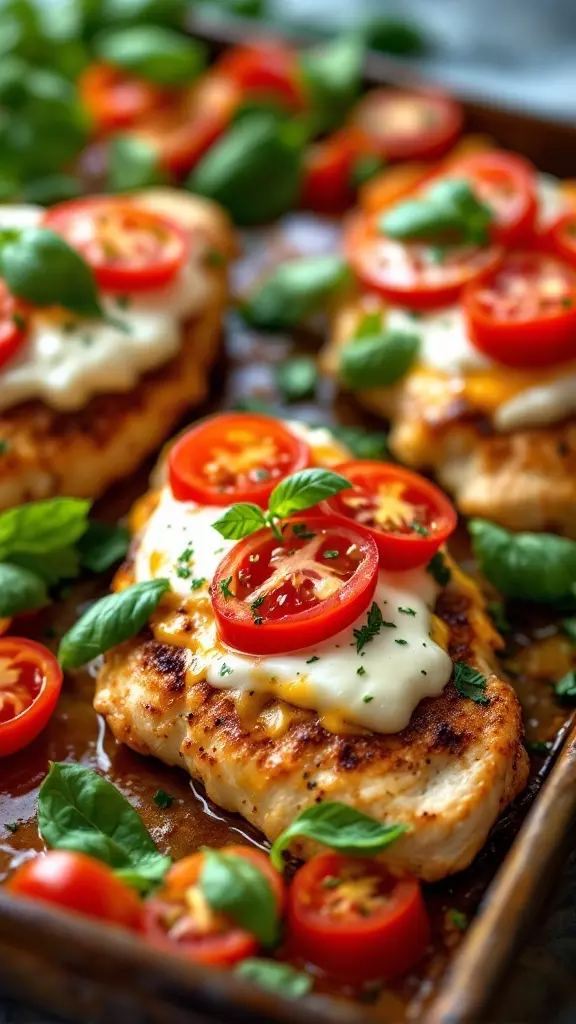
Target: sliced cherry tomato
point(507, 183)
point(30, 683)
point(129, 248)
point(524, 314)
point(79, 883)
point(13, 324)
point(234, 457)
point(178, 917)
point(328, 171)
point(115, 99)
point(414, 274)
point(351, 918)
point(562, 234)
point(409, 125)
point(271, 597)
point(391, 184)
point(408, 517)
point(268, 69)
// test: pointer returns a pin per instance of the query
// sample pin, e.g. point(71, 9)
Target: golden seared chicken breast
point(335, 654)
point(92, 383)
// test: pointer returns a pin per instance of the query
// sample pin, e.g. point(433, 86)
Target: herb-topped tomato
point(408, 517)
point(351, 918)
point(524, 314)
point(115, 99)
point(408, 125)
point(234, 457)
point(419, 275)
point(128, 248)
point(507, 184)
point(13, 324)
point(269, 70)
point(30, 683)
point(271, 596)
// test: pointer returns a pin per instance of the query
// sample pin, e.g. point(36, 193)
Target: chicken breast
point(45, 451)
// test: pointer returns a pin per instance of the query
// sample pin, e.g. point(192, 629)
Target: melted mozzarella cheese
point(377, 689)
point(66, 360)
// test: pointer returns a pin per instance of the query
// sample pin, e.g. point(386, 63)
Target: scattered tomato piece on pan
point(30, 683)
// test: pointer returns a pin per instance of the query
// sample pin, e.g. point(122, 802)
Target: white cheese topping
point(65, 361)
point(378, 688)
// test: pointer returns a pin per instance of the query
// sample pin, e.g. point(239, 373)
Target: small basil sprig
point(110, 621)
point(295, 290)
point(276, 977)
point(81, 811)
point(377, 357)
point(296, 378)
point(21, 590)
point(133, 163)
point(294, 494)
point(565, 688)
point(332, 74)
point(233, 886)
point(450, 212)
point(40, 267)
point(153, 52)
point(340, 827)
point(170, 13)
point(539, 567)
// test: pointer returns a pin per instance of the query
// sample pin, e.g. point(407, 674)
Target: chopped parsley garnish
point(257, 602)
point(361, 671)
point(312, 659)
point(331, 554)
point(262, 474)
point(301, 530)
point(162, 799)
point(458, 919)
point(198, 583)
point(565, 689)
point(367, 632)
point(438, 569)
point(407, 611)
point(418, 528)
point(258, 620)
point(330, 882)
point(470, 683)
point(423, 672)
point(183, 572)
point(13, 826)
point(401, 642)
point(367, 699)
point(225, 670)
point(182, 568)
point(225, 587)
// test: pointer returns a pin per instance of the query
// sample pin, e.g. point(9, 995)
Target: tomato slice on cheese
point(234, 457)
point(408, 517)
point(129, 248)
point(268, 69)
point(30, 683)
point(409, 125)
point(507, 184)
point(13, 324)
point(524, 314)
point(115, 99)
point(271, 596)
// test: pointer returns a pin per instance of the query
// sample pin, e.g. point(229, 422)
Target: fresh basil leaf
point(396, 36)
point(369, 325)
point(294, 291)
point(378, 361)
point(51, 566)
point(363, 444)
point(235, 887)
point(81, 811)
point(103, 545)
point(20, 590)
point(261, 103)
point(304, 489)
point(539, 567)
point(439, 569)
point(254, 171)
point(281, 979)
point(132, 163)
point(449, 212)
point(565, 688)
point(470, 683)
point(42, 526)
point(332, 75)
point(240, 521)
point(296, 378)
point(341, 828)
point(170, 13)
point(569, 627)
point(365, 168)
point(42, 268)
point(153, 52)
point(54, 188)
point(241, 8)
point(110, 621)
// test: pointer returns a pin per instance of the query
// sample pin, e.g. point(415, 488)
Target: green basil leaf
point(332, 74)
point(170, 13)
point(565, 688)
point(254, 171)
point(396, 36)
point(470, 683)
point(42, 268)
point(369, 325)
point(153, 52)
point(439, 570)
point(569, 627)
point(296, 378)
point(261, 103)
point(539, 567)
point(241, 8)
point(240, 521)
point(363, 444)
point(103, 545)
point(20, 590)
point(341, 828)
point(110, 621)
point(294, 291)
point(365, 168)
point(42, 526)
point(304, 489)
point(449, 212)
point(81, 811)
point(378, 361)
point(51, 566)
point(132, 163)
point(54, 188)
point(281, 979)
point(234, 886)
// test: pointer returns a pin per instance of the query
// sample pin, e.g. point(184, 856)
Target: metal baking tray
point(84, 971)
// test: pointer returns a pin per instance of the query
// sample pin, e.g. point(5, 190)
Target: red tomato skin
point(399, 552)
point(115, 99)
point(81, 884)
point(268, 68)
point(12, 335)
point(519, 229)
point(17, 733)
point(328, 169)
point(422, 144)
point(385, 944)
point(556, 234)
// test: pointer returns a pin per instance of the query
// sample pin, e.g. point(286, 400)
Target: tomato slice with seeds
point(507, 183)
point(351, 918)
point(179, 918)
point(30, 684)
point(268, 69)
point(235, 457)
point(13, 324)
point(409, 125)
point(408, 517)
point(272, 596)
point(115, 99)
point(128, 248)
point(414, 274)
point(562, 235)
point(524, 314)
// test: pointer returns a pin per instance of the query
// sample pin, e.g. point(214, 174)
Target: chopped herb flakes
point(13, 826)
point(407, 611)
point(423, 672)
point(367, 699)
point(183, 572)
point(457, 919)
point(301, 530)
point(256, 603)
point(418, 528)
point(225, 587)
point(198, 583)
point(361, 671)
point(565, 689)
point(438, 568)
point(312, 659)
point(400, 641)
point(330, 882)
point(162, 799)
point(470, 683)
point(373, 625)
point(225, 670)
point(331, 554)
